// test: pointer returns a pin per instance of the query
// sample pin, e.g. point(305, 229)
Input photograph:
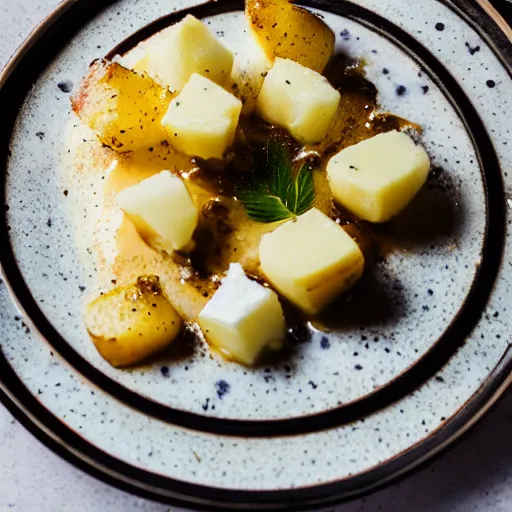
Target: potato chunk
point(298, 99)
point(161, 210)
point(378, 177)
point(136, 59)
point(131, 323)
point(202, 119)
point(243, 317)
point(286, 30)
point(172, 55)
point(310, 260)
point(123, 108)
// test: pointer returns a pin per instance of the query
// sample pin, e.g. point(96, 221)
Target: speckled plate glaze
point(421, 348)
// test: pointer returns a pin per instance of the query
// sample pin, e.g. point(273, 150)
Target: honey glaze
point(225, 233)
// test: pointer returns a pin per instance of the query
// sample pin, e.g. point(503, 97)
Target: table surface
point(474, 476)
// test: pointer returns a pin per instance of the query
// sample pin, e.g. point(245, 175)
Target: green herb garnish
point(279, 196)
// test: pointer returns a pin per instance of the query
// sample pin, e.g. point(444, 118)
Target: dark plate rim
point(12, 93)
point(69, 445)
point(58, 437)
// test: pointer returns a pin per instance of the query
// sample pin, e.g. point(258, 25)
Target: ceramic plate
point(420, 351)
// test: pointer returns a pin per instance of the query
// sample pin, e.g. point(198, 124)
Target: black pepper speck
point(490, 83)
point(440, 26)
point(164, 371)
point(358, 367)
point(345, 35)
point(325, 343)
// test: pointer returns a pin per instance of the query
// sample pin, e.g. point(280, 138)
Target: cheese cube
point(175, 53)
point(310, 260)
point(202, 119)
point(243, 317)
point(249, 70)
point(378, 177)
point(162, 211)
point(298, 99)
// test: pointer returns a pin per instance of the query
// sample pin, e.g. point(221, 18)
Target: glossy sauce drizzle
point(225, 233)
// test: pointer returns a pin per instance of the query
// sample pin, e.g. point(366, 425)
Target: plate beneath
point(420, 350)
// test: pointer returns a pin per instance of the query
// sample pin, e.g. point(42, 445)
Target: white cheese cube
point(298, 99)
point(175, 53)
point(202, 119)
point(250, 68)
point(162, 211)
point(310, 260)
point(243, 317)
point(378, 177)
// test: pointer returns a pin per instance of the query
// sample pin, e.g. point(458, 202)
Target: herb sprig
point(279, 195)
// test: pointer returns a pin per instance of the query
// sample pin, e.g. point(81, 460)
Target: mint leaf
point(301, 192)
point(265, 208)
point(279, 196)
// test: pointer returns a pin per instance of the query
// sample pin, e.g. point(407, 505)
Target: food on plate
point(243, 317)
point(136, 59)
point(298, 99)
point(249, 70)
point(278, 194)
point(242, 184)
point(291, 32)
point(173, 55)
point(162, 211)
point(123, 108)
point(202, 119)
point(131, 323)
point(378, 177)
point(310, 260)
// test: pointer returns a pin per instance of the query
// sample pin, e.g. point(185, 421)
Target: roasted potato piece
point(131, 323)
point(123, 108)
point(285, 30)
